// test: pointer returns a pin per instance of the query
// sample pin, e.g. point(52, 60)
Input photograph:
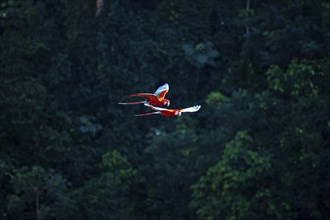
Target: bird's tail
point(149, 113)
point(131, 103)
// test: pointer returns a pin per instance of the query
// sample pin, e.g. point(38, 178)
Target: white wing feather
point(161, 89)
point(191, 109)
point(154, 108)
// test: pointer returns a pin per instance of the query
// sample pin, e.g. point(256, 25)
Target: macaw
point(169, 112)
point(156, 99)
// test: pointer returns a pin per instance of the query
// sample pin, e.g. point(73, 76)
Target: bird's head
point(166, 102)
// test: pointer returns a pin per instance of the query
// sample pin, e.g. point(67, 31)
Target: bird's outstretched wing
point(191, 109)
point(162, 91)
point(156, 108)
point(147, 96)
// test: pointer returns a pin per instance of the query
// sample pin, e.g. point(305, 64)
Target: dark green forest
point(259, 147)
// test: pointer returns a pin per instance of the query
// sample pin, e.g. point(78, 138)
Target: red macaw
point(169, 112)
point(156, 99)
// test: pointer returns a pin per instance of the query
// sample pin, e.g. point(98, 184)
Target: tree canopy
point(259, 148)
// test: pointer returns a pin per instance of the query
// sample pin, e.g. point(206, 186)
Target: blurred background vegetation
point(259, 148)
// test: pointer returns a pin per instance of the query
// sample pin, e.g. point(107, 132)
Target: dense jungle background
point(259, 148)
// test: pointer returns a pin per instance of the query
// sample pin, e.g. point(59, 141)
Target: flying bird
point(155, 99)
point(169, 112)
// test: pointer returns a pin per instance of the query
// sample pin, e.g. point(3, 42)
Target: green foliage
point(171, 10)
point(120, 171)
point(202, 54)
point(171, 169)
point(303, 140)
point(109, 196)
point(297, 81)
point(37, 192)
point(257, 149)
point(234, 188)
point(215, 97)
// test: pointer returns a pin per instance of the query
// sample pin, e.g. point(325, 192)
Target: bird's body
point(152, 99)
point(169, 112)
point(155, 99)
